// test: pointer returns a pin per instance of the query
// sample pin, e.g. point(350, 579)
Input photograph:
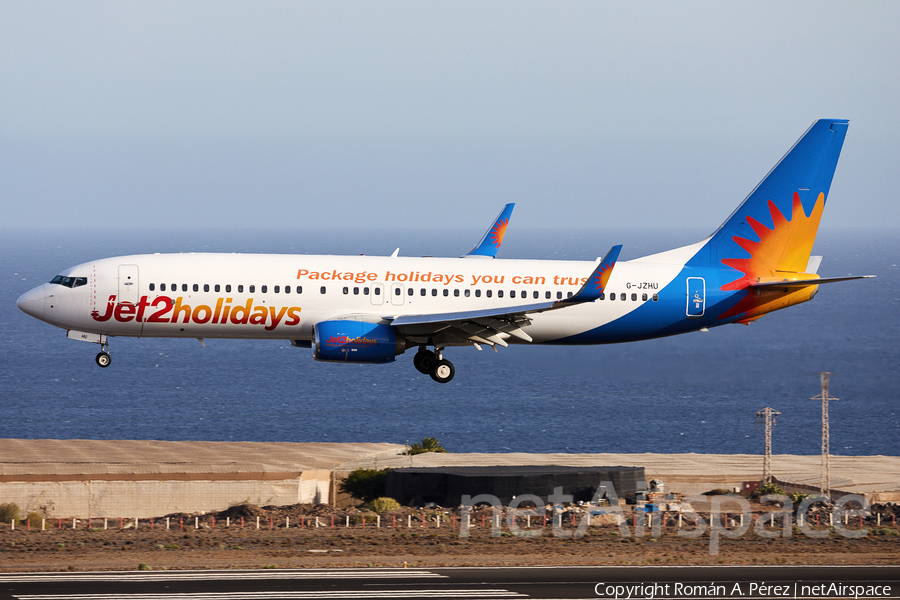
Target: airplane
point(371, 309)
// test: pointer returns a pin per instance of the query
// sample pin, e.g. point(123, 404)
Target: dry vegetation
point(298, 547)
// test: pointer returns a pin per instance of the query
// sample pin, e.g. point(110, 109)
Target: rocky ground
point(224, 541)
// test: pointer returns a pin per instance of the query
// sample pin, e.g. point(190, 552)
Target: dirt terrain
point(225, 541)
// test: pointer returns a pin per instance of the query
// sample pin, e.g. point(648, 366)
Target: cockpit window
point(69, 281)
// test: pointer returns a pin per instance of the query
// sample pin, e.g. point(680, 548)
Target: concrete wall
point(143, 499)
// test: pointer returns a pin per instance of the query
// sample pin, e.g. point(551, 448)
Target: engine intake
point(356, 341)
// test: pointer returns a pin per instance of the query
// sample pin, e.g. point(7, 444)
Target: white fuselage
point(283, 296)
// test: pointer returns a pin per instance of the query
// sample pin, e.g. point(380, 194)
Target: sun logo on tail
point(497, 232)
point(785, 247)
point(780, 251)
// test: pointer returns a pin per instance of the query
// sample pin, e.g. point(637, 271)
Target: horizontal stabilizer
point(806, 282)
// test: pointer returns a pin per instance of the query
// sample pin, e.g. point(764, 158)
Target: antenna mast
point(767, 416)
point(825, 485)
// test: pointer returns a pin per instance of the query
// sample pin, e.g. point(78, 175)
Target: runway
point(547, 583)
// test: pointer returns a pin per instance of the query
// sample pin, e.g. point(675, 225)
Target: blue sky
point(430, 115)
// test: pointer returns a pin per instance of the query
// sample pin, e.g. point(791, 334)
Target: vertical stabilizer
point(773, 230)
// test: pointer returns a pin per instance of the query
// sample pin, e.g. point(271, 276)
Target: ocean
point(697, 392)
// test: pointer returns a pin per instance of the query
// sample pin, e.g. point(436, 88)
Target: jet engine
point(356, 341)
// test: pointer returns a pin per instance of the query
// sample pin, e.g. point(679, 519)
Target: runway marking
point(228, 576)
point(459, 593)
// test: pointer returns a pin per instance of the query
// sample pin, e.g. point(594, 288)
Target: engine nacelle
point(356, 341)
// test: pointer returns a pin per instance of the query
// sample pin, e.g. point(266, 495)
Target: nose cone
point(32, 302)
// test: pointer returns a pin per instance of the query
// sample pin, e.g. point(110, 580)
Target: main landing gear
point(433, 364)
point(103, 359)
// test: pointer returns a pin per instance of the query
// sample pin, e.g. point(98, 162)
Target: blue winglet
point(490, 243)
point(598, 280)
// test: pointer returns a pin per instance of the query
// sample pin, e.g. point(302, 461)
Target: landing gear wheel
point(423, 361)
point(442, 371)
point(103, 359)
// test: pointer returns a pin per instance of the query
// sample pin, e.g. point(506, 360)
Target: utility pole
point(767, 416)
point(825, 485)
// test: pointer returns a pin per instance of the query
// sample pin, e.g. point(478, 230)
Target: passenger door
point(128, 284)
point(696, 297)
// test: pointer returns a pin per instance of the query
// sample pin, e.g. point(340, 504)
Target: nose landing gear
point(103, 359)
point(433, 364)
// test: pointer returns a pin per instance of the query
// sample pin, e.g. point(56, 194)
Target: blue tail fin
point(774, 228)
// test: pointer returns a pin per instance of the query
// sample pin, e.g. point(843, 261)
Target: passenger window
point(422, 292)
point(655, 297)
point(277, 289)
point(537, 294)
point(446, 292)
point(152, 286)
point(197, 288)
point(378, 291)
point(410, 292)
point(397, 291)
point(559, 295)
point(478, 293)
point(612, 296)
point(227, 288)
point(321, 289)
point(569, 295)
point(365, 291)
point(263, 288)
point(468, 292)
point(183, 287)
point(512, 293)
point(217, 287)
point(488, 293)
point(287, 289)
point(644, 297)
point(205, 287)
point(299, 289)
point(356, 291)
point(162, 287)
point(633, 297)
point(548, 295)
point(252, 288)
point(499, 293)
point(433, 291)
point(240, 289)
point(622, 296)
point(346, 290)
point(456, 293)
point(602, 296)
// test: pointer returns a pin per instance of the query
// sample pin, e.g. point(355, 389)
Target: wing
point(491, 325)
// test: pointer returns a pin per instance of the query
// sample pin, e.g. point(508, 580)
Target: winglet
point(596, 283)
point(490, 242)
